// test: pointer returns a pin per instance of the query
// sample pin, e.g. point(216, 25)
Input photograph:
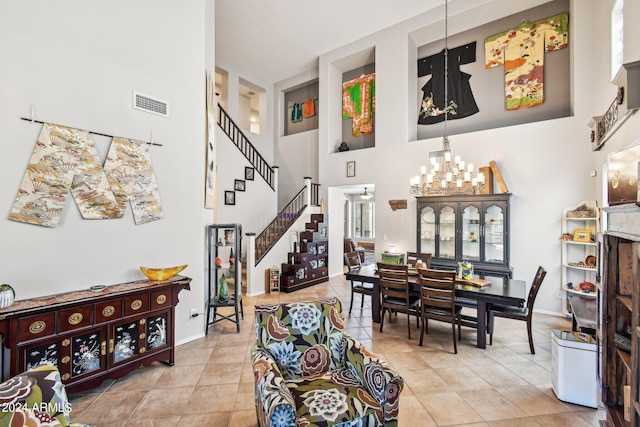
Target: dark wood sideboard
point(92, 335)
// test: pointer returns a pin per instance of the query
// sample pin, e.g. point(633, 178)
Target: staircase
point(306, 197)
point(285, 218)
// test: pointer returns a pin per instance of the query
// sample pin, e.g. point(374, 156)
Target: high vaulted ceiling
point(277, 39)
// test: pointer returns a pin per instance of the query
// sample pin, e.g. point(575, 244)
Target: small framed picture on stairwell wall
point(238, 184)
point(248, 173)
point(229, 197)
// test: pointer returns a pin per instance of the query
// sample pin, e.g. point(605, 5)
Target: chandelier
point(448, 174)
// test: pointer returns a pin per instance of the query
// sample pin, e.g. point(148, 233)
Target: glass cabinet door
point(428, 230)
point(471, 233)
point(447, 232)
point(494, 234)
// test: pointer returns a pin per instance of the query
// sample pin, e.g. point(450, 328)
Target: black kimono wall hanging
point(459, 95)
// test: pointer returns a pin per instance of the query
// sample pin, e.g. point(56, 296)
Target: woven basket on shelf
point(581, 212)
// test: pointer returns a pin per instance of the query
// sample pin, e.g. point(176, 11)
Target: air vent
point(150, 105)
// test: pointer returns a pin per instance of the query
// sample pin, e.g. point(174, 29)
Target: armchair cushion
point(310, 372)
point(36, 397)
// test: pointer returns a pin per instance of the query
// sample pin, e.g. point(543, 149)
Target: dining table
point(500, 290)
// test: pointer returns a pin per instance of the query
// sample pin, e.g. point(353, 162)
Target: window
point(364, 219)
point(617, 38)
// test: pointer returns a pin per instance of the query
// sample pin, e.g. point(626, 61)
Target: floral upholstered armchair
point(34, 398)
point(309, 372)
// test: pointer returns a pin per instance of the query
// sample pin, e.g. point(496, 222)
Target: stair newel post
point(276, 170)
point(307, 192)
point(251, 265)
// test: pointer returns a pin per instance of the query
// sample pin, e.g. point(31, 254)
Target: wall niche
point(358, 130)
point(301, 108)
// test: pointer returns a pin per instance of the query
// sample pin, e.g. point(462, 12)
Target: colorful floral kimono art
point(460, 100)
point(521, 50)
point(359, 103)
point(309, 108)
point(65, 159)
point(309, 372)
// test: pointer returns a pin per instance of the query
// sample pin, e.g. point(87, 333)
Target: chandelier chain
point(446, 64)
point(449, 174)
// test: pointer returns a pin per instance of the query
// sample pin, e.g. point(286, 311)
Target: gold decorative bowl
point(158, 274)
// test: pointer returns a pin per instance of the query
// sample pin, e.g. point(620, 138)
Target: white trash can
point(574, 367)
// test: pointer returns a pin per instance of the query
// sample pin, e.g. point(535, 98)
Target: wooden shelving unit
point(310, 265)
point(621, 313)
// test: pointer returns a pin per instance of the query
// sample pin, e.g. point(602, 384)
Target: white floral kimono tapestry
point(64, 159)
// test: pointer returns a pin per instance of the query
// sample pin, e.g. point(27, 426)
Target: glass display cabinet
point(224, 302)
point(472, 228)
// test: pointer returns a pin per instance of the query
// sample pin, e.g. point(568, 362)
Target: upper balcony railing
point(245, 146)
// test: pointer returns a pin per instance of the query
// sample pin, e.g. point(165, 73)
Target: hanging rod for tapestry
point(95, 133)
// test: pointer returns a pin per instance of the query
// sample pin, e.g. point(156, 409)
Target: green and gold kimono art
point(65, 159)
point(359, 103)
point(521, 50)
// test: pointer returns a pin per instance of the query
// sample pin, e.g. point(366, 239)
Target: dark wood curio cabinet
point(472, 228)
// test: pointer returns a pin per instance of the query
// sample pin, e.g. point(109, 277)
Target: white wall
point(545, 164)
point(296, 155)
point(78, 62)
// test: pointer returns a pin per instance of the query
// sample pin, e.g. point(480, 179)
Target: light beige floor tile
point(519, 422)
point(440, 359)
point(153, 422)
point(245, 400)
point(411, 410)
point(561, 420)
point(533, 401)
point(180, 376)
point(81, 401)
point(406, 361)
point(449, 408)
point(226, 354)
point(530, 372)
point(162, 402)
point(244, 418)
point(212, 398)
point(193, 356)
point(220, 373)
point(592, 416)
point(491, 405)
point(497, 375)
point(209, 419)
point(462, 378)
point(111, 408)
point(140, 379)
point(425, 381)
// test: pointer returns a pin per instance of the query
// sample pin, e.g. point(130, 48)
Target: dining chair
point(438, 301)
point(394, 289)
point(414, 257)
point(519, 313)
point(352, 261)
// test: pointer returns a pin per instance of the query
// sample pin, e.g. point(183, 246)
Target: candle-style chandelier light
point(449, 174)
